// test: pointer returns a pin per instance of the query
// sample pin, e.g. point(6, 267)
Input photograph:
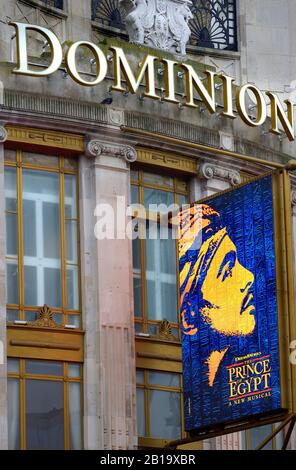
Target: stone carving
point(210, 170)
point(162, 24)
point(3, 134)
point(96, 148)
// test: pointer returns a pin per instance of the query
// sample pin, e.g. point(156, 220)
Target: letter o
point(261, 105)
point(102, 66)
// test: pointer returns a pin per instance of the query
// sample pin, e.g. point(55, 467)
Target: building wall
point(265, 57)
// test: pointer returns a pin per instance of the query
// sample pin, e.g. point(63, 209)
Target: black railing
point(54, 3)
point(214, 23)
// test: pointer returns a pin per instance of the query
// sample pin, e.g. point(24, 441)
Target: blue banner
point(228, 307)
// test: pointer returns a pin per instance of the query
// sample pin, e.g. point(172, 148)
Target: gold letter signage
point(194, 86)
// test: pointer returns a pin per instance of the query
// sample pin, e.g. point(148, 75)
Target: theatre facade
point(113, 103)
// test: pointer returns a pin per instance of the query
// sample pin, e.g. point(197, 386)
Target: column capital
point(212, 170)
point(3, 134)
point(96, 148)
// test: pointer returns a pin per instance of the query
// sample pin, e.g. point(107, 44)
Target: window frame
point(141, 184)
point(147, 441)
point(22, 376)
point(19, 165)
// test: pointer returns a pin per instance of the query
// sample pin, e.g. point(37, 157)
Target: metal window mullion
point(142, 229)
point(63, 237)
point(20, 234)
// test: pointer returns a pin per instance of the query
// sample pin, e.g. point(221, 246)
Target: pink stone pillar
point(116, 384)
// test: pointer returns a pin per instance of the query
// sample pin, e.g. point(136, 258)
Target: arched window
point(107, 13)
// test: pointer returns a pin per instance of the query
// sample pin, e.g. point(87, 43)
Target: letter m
point(122, 70)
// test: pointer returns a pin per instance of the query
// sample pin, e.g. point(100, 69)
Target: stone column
point(3, 361)
point(110, 385)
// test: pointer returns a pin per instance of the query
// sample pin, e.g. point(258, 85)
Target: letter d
point(22, 50)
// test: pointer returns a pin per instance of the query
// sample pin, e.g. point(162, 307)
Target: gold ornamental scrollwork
point(45, 319)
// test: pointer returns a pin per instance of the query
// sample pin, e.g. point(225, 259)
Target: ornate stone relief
point(3, 134)
point(96, 148)
point(210, 170)
point(162, 24)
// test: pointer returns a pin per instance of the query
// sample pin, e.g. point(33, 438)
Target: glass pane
point(31, 316)
point(58, 318)
point(75, 416)
point(74, 320)
point(141, 412)
point(10, 155)
point(44, 415)
point(134, 195)
point(72, 288)
point(137, 297)
point(12, 315)
point(182, 200)
point(70, 163)
point(29, 227)
point(165, 416)
point(138, 328)
point(140, 376)
point(181, 185)
point(12, 282)
point(153, 329)
point(43, 183)
point(51, 230)
point(136, 254)
point(161, 279)
point(154, 196)
point(70, 197)
point(165, 379)
point(52, 287)
point(45, 368)
point(13, 394)
point(10, 189)
point(40, 160)
point(257, 436)
point(74, 371)
point(134, 175)
point(158, 180)
point(41, 212)
point(11, 235)
point(13, 366)
point(30, 274)
point(71, 242)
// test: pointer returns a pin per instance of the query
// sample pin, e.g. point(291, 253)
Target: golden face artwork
point(227, 289)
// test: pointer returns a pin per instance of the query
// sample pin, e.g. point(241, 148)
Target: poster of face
point(228, 305)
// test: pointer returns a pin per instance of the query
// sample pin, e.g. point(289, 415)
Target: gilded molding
point(210, 170)
point(45, 138)
point(166, 160)
point(96, 148)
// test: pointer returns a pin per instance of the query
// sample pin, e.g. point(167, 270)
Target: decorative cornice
point(167, 160)
point(97, 148)
point(210, 170)
point(3, 135)
point(46, 138)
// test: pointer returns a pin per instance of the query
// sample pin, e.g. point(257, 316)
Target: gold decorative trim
point(45, 319)
point(168, 161)
point(44, 138)
point(40, 344)
point(165, 331)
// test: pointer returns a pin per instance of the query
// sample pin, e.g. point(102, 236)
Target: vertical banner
point(228, 301)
